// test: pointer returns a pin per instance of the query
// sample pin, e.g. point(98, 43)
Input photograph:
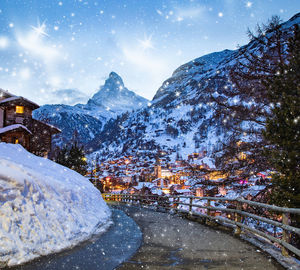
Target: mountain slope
point(182, 118)
point(112, 99)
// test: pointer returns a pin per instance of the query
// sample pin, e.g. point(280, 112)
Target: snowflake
point(249, 4)
point(3, 42)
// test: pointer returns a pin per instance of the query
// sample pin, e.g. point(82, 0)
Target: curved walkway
point(104, 252)
point(171, 242)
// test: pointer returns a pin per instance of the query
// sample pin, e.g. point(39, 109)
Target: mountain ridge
point(111, 100)
point(181, 119)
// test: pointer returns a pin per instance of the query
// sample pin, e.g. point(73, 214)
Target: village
point(141, 173)
point(196, 176)
point(149, 135)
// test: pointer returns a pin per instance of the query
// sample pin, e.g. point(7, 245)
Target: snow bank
point(44, 207)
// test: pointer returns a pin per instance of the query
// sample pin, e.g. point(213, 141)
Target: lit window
point(16, 141)
point(239, 143)
point(19, 109)
point(242, 156)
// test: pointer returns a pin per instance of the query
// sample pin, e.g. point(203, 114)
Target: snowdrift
point(44, 207)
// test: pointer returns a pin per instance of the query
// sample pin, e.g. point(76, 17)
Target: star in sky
point(40, 29)
point(249, 4)
point(146, 43)
point(73, 45)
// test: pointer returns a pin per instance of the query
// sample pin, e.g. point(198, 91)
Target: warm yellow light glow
point(215, 175)
point(239, 143)
point(166, 190)
point(242, 156)
point(19, 109)
point(16, 141)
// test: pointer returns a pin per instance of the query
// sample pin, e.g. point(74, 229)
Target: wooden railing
point(238, 212)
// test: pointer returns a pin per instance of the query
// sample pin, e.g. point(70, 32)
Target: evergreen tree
point(73, 158)
point(283, 133)
point(62, 156)
point(244, 106)
point(283, 128)
point(77, 159)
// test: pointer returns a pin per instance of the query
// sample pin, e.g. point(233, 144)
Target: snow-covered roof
point(13, 127)
point(157, 179)
point(157, 191)
point(18, 98)
point(143, 184)
point(5, 93)
point(206, 160)
point(183, 190)
point(253, 190)
point(49, 125)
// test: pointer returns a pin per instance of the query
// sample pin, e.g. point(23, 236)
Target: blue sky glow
point(50, 45)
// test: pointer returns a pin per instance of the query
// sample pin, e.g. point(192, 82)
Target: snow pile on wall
point(44, 207)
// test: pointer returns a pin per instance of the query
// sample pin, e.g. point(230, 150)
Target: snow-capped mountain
point(182, 117)
point(111, 100)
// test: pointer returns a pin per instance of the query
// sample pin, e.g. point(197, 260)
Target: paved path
point(172, 242)
point(106, 252)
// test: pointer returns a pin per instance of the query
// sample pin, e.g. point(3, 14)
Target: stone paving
point(173, 242)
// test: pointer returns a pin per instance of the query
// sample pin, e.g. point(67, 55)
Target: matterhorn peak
point(114, 82)
point(114, 97)
point(113, 75)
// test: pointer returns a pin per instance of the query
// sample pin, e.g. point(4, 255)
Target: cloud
point(4, 42)
point(33, 42)
point(145, 61)
point(146, 68)
point(146, 43)
point(67, 96)
point(191, 13)
point(25, 73)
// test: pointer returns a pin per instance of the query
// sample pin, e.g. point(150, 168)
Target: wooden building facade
point(18, 126)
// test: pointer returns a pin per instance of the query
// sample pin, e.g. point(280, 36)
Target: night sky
point(48, 46)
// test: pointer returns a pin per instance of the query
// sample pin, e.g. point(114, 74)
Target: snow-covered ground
point(44, 207)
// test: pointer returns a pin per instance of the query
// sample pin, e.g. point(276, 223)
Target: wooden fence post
point(208, 213)
point(157, 202)
point(238, 218)
point(176, 200)
point(285, 234)
point(191, 206)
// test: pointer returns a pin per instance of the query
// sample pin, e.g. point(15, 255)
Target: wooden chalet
point(18, 126)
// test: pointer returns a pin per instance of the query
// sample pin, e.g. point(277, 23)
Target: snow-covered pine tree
point(283, 128)
point(73, 157)
point(283, 132)
point(245, 106)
